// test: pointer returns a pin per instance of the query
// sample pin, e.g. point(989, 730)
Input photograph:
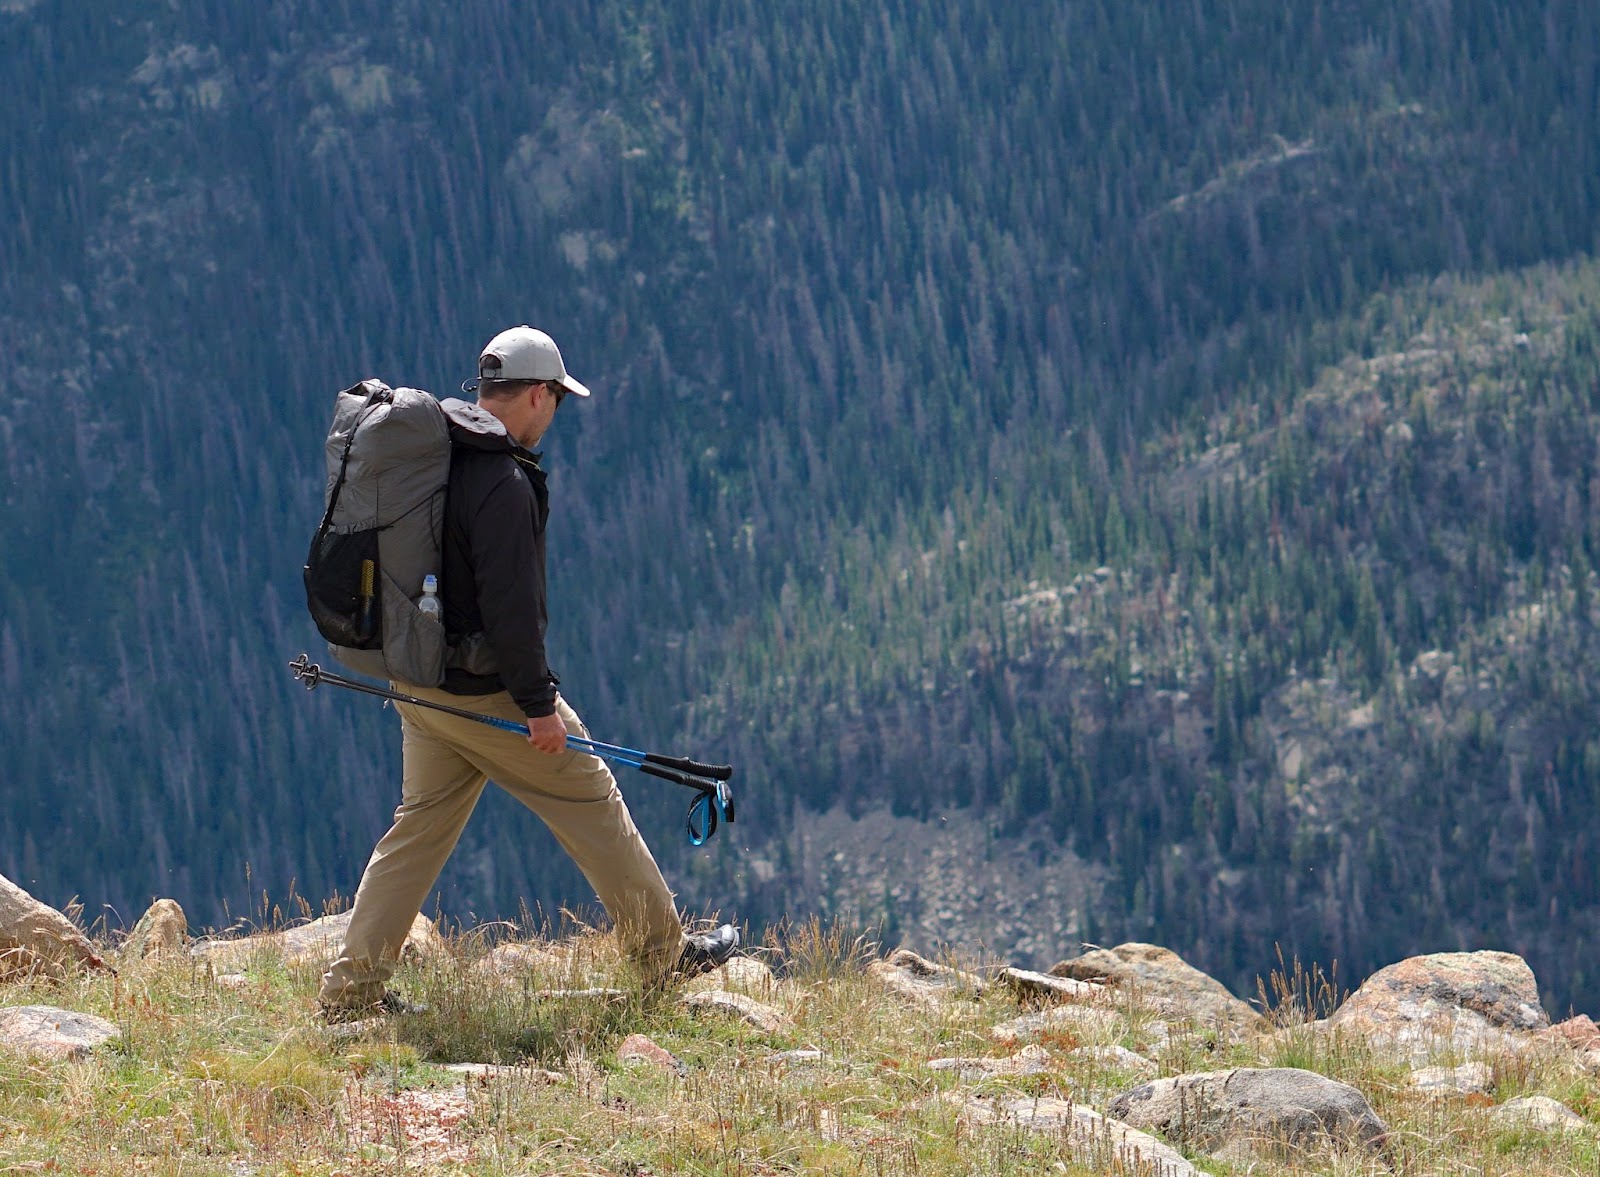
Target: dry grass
point(241, 1079)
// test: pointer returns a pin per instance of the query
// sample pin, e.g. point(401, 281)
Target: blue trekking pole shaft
point(668, 768)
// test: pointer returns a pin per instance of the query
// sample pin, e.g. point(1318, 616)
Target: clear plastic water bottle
point(430, 603)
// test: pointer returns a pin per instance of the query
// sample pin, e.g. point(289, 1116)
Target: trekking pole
point(710, 781)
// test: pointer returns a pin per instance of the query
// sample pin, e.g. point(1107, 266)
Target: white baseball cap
point(524, 353)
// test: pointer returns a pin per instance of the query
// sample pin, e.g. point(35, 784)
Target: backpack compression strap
point(379, 396)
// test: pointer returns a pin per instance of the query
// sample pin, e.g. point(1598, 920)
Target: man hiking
point(492, 581)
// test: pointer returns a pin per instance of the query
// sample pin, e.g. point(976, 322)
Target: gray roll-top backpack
point(382, 533)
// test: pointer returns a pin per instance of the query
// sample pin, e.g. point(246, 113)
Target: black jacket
point(493, 573)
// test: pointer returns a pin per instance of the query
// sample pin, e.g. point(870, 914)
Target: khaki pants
point(447, 760)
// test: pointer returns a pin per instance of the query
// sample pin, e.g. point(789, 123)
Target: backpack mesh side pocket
point(415, 652)
point(344, 588)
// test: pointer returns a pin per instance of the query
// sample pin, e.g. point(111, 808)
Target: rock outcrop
point(312, 944)
point(1163, 978)
point(35, 938)
point(1464, 1000)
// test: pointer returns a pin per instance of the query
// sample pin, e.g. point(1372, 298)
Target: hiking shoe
point(391, 1004)
point(705, 951)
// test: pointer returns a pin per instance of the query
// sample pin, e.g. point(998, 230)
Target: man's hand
point(547, 733)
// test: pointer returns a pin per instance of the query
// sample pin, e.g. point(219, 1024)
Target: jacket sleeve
point(508, 563)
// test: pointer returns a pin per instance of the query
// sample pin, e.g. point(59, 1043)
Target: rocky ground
point(813, 1055)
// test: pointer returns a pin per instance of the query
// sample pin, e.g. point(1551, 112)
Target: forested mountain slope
point(1138, 429)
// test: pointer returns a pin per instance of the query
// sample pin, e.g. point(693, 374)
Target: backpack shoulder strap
point(474, 427)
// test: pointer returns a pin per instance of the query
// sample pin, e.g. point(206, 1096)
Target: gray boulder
point(46, 1033)
point(1240, 1113)
point(1540, 1112)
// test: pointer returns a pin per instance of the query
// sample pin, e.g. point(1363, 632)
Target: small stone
point(1096, 1142)
point(484, 1072)
point(313, 944)
point(922, 982)
point(318, 943)
point(637, 1048)
point(1117, 1057)
point(1467, 1079)
point(1580, 1033)
point(1081, 1022)
point(742, 974)
point(748, 1009)
point(1030, 1060)
point(1035, 986)
point(558, 966)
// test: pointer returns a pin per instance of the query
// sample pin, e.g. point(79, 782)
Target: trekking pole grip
point(717, 772)
point(676, 777)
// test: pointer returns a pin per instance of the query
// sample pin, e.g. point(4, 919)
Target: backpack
point(388, 465)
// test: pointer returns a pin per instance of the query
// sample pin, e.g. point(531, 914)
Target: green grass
point(240, 1078)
